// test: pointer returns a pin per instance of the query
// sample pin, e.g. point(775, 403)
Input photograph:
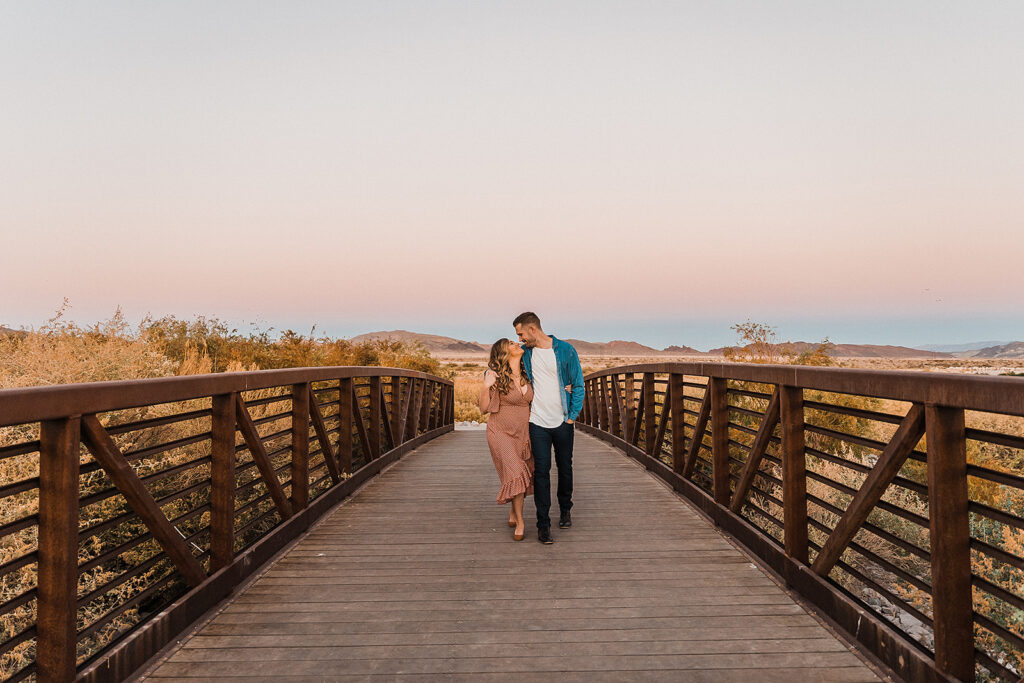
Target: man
point(553, 368)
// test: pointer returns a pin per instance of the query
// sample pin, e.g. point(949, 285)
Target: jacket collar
point(555, 343)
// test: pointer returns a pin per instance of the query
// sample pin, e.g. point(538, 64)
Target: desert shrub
point(467, 391)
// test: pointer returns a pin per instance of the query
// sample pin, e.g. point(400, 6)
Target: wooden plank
point(374, 431)
point(357, 416)
point(259, 456)
point(57, 550)
point(437, 411)
point(588, 397)
point(950, 541)
point(636, 420)
point(606, 403)
point(437, 396)
point(428, 393)
point(592, 398)
point(700, 428)
point(620, 395)
point(675, 385)
point(794, 472)
point(445, 394)
point(896, 452)
point(323, 438)
point(415, 406)
point(222, 482)
point(449, 406)
point(708, 667)
point(409, 424)
point(666, 409)
point(791, 637)
point(429, 402)
point(594, 394)
point(138, 498)
point(396, 410)
point(403, 411)
point(650, 428)
point(389, 432)
point(719, 440)
point(346, 393)
point(757, 451)
point(630, 409)
point(617, 406)
point(300, 445)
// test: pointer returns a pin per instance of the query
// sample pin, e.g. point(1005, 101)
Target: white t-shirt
point(546, 409)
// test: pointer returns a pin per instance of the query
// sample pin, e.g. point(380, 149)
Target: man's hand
point(570, 422)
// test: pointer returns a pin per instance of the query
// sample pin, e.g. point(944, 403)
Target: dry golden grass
point(469, 379)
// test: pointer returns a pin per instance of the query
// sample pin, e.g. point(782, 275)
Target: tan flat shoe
point(512, 524)
point(518, 537)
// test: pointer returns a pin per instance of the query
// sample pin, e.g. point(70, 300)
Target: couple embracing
point(533, 390)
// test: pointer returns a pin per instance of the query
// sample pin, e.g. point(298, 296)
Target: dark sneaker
point(565, 520)
point(544, 536)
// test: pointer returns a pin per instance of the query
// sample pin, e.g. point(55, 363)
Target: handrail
point(29, 404)
point(145, 502)
point(818, 472)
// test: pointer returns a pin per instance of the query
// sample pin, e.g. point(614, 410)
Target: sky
point(653, 171)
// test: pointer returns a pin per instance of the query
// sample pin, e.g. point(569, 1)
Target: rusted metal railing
point(127, 509)
point(893, 501)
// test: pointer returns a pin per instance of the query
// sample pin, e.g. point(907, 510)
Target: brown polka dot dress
point(508, 436)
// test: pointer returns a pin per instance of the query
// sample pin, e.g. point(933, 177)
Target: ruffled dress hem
point(513, 487)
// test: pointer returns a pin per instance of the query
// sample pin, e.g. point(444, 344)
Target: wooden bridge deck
point(416, 577)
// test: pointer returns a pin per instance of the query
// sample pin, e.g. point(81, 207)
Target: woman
point(506, 395)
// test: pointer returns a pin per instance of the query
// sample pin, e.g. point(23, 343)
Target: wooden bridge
point(418, 575)
point(770, 523)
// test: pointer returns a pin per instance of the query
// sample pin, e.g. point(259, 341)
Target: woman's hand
point(484, 400)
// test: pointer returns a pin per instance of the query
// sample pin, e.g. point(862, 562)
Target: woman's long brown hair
point(499, 362)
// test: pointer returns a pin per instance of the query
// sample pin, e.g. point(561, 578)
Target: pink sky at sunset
point(650, 171)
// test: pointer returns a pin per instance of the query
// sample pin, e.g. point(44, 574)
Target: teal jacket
point(569, 373)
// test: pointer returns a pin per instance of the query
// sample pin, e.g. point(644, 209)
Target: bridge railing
point(127, 509)
point(891, 500)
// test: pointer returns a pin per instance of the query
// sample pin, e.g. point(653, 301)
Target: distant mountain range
point(629, 348)
point(959, 348)
point(852, 350)
point(1010, 350)
point(432, 342)
point(440, 344)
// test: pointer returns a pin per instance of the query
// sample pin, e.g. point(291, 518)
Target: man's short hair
point(526, 319)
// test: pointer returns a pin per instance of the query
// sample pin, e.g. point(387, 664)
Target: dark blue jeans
point(542, 439)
